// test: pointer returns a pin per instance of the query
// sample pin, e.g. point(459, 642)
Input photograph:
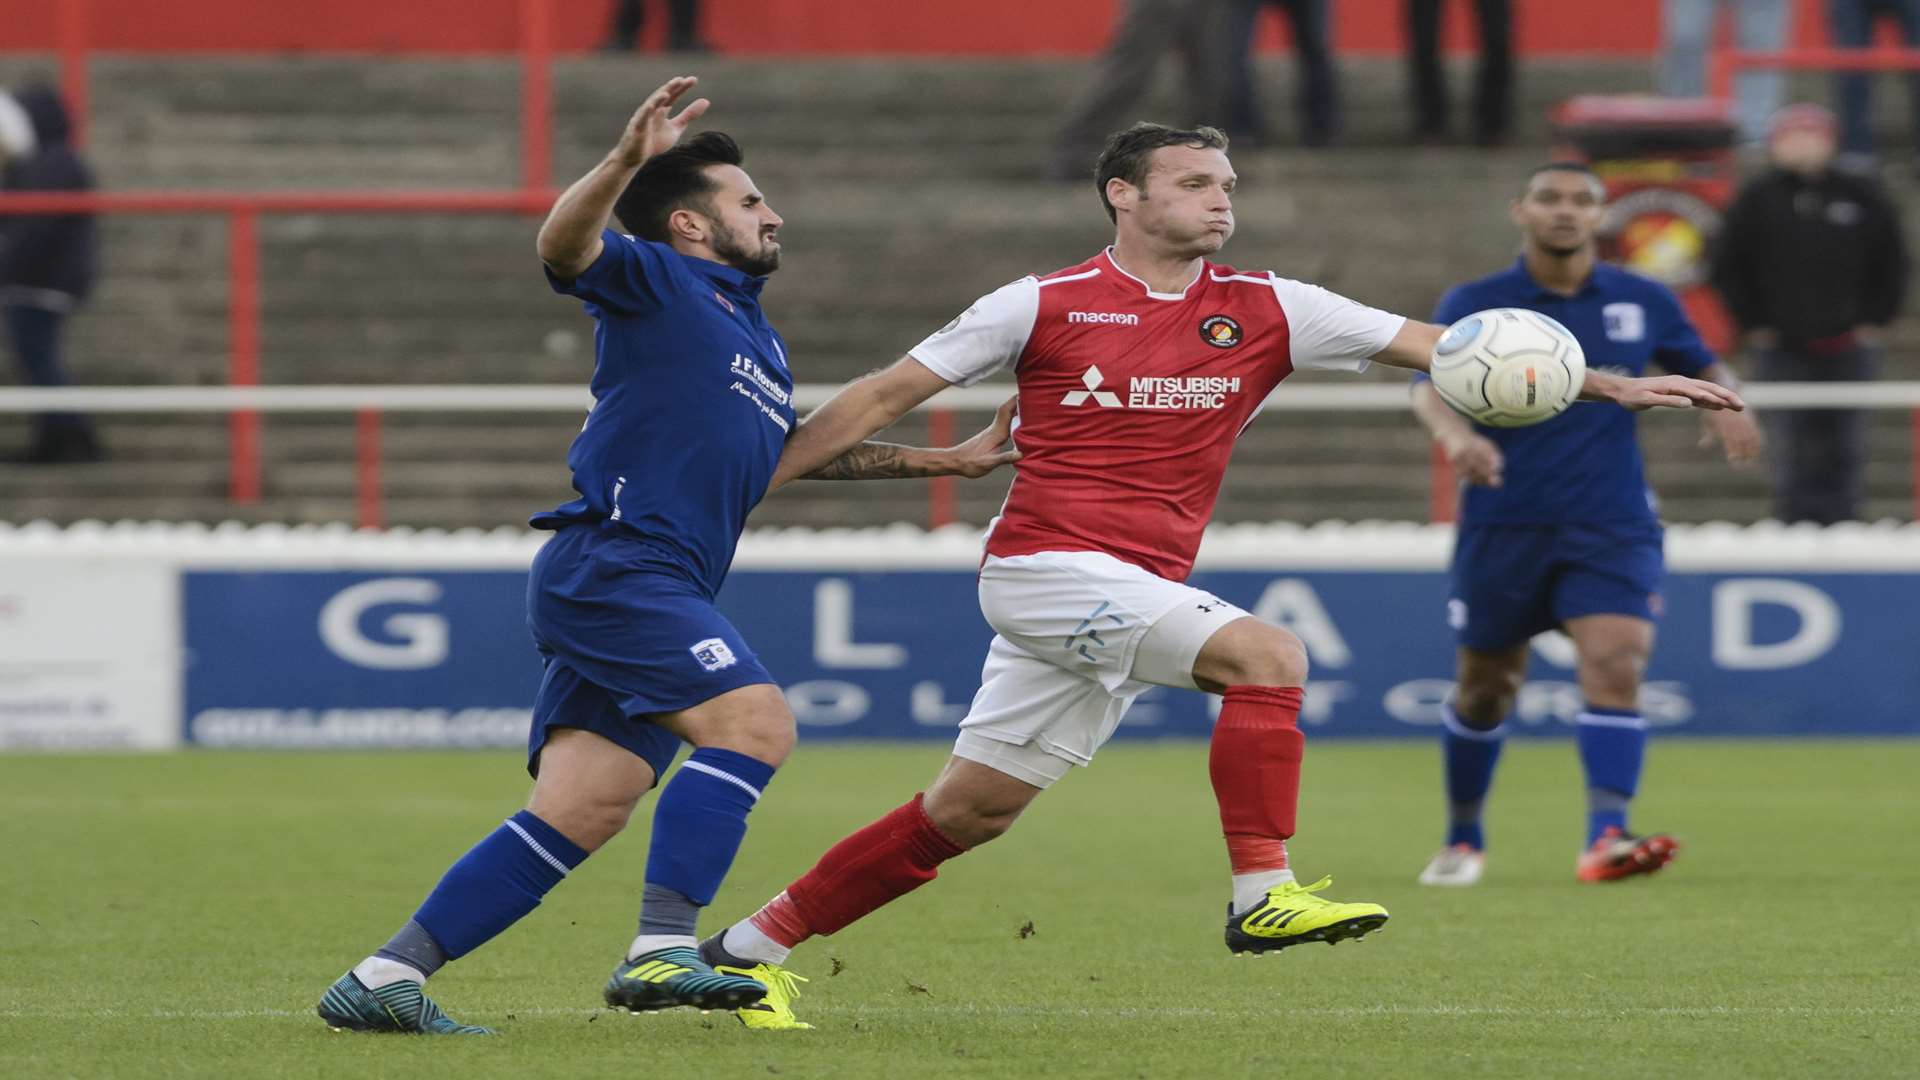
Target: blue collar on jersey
point(722, 274)
point(1521, 277)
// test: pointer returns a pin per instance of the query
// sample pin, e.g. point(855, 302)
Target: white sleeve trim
point(986, 337)
point(1328, 332)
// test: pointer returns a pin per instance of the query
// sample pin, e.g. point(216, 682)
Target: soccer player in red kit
point(1137, 370)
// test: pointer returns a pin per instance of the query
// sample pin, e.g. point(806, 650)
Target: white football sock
point(1250, 889)
point(646, 943)
point(745, 941)
point(375, 972)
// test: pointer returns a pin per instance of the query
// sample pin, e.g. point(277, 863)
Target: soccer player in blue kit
point(692, 408)
point(1558, 528)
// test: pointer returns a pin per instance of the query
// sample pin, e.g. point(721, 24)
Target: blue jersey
point(1584, 465)
point(692, 403)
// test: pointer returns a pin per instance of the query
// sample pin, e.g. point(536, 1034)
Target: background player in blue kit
point(1558, 528)
point(692, 408)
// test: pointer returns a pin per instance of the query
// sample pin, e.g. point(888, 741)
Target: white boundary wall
point(92, 652)
point(1326, 545)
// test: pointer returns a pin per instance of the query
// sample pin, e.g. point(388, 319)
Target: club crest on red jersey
point(1220, 331)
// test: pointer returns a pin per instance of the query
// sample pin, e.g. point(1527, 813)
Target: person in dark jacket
point(47, 261)
point(683, 27)
point(1144, 31)
point(1811, 263)
point(1318, 96)
point(1492, 81)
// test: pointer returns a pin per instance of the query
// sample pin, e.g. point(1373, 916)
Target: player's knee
point(972, 824)
point(1614, 673)
point(1274, 657)
point(586, 820)
point(971, 817)
point(1483, 707)
point(769, 739)
point(761, 728)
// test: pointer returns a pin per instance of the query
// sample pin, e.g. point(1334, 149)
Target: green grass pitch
point(179, 916)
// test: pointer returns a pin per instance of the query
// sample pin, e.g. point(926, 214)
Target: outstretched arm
point(570, 239)
point(861, 408)
point(974, 458)
point(1412, 348)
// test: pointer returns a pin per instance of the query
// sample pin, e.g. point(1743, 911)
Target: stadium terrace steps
point(910, 187)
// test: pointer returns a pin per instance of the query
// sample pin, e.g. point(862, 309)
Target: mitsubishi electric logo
point(1151, 392)
point(1079, 397)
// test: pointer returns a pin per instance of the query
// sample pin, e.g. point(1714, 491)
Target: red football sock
point(1255, 764)
point(862, 873)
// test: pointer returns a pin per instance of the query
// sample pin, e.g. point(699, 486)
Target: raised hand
point(654, 127)
point(981, 454)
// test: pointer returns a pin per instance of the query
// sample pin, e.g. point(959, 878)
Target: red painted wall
point(779, 26)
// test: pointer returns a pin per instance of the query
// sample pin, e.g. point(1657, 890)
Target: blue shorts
point(624, 637)
point(1511, 582)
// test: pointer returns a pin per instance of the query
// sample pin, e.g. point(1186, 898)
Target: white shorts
point(1079, 635)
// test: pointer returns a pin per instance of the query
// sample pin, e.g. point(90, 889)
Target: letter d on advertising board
point(1733, 604)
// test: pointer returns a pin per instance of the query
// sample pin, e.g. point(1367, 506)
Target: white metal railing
point(367, 403)
point(572, 397)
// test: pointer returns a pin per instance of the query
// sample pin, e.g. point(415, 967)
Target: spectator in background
point(1318, 94)
point(46, 261)
point(1493, 81)
point(1145, 31)
point(1851, 23)
point(1687, 35)
point(1811, 262)
point(683, 26)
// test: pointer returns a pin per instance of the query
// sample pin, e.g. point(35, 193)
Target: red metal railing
point(243, 212)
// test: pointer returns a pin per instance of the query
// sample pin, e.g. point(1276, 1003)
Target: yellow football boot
point(1291, 915)
point(775, 1011)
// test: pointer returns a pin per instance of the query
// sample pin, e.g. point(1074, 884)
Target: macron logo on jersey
point(1173, 394)
point(1103, 318)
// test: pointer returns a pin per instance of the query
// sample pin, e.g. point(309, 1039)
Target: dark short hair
point(1129, 153)
point(1579, 168)
point(672, 180)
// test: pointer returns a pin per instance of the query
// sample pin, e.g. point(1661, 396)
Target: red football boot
point(1619, 855)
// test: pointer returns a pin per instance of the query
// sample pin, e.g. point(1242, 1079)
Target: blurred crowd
point(1215, 40)
point(1810, 260)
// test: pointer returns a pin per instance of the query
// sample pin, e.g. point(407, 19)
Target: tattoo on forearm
point(870, 461)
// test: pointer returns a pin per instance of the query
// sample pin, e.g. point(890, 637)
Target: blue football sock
point(496, 883)
point(1613, 746)
point(1469, 756)
point(697, 828)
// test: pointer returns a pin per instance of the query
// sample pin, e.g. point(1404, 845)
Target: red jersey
point(1131, 400)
